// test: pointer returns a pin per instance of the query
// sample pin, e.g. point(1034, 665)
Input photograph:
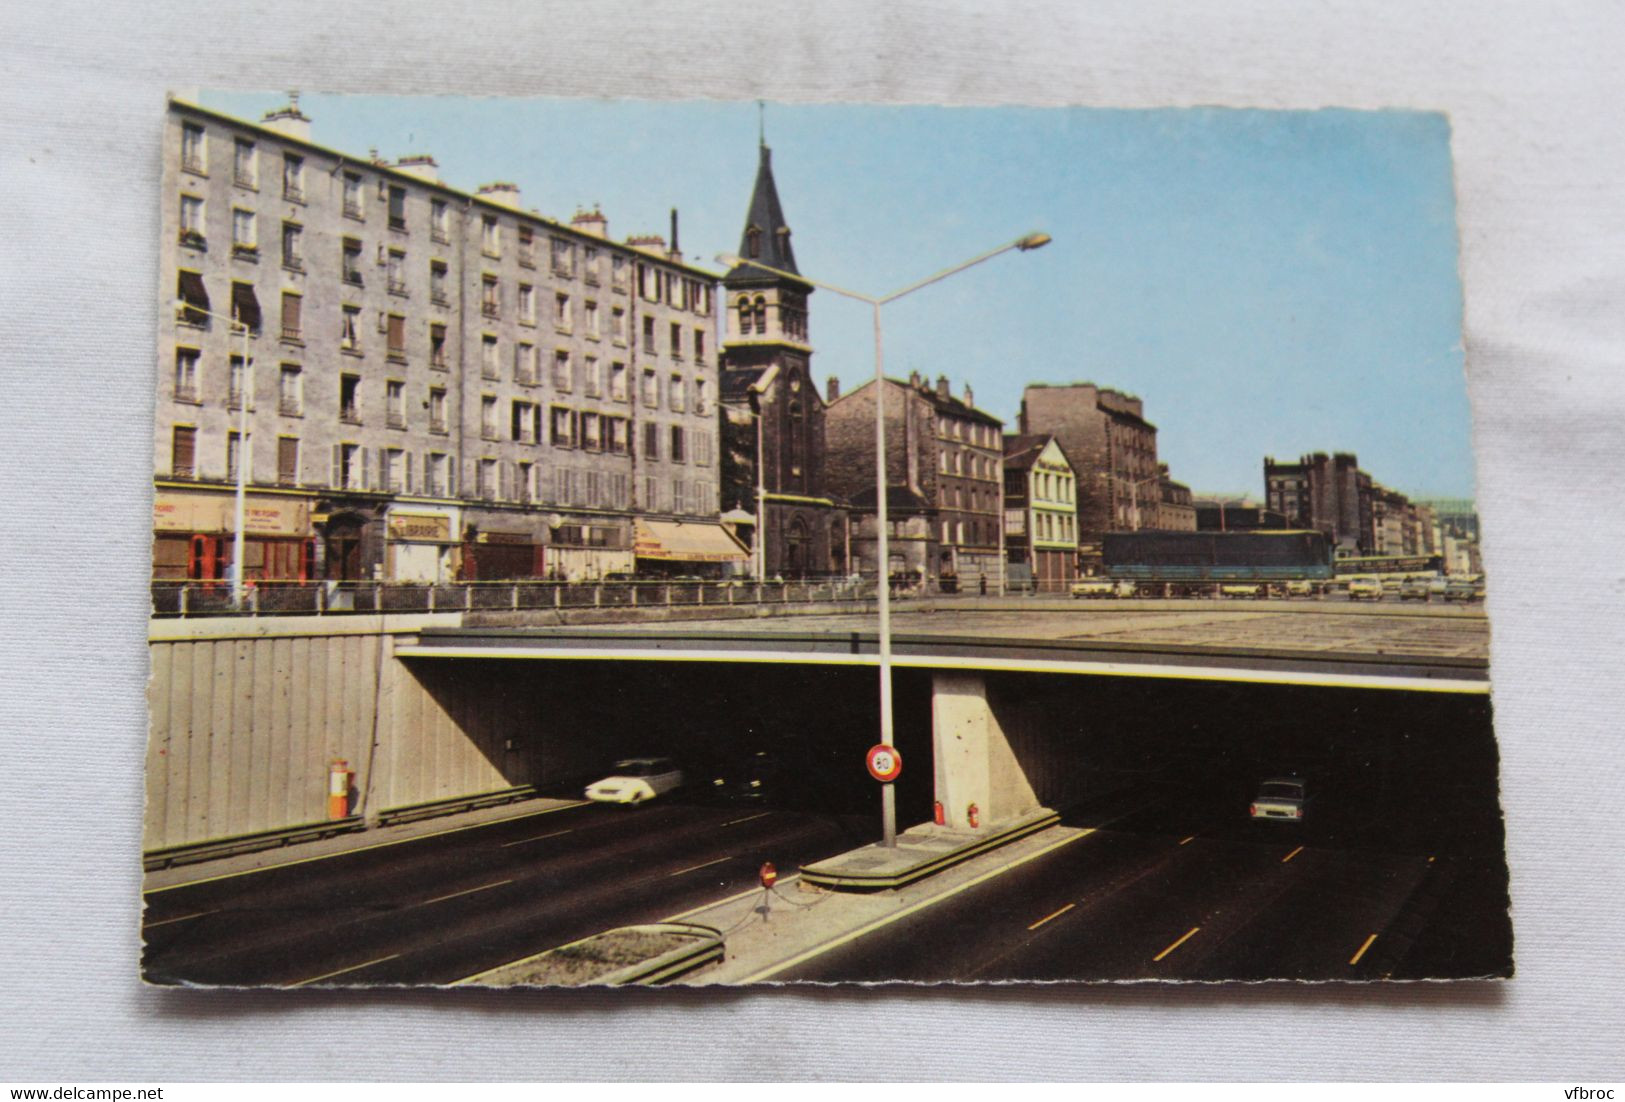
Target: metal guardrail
point(411, 813)
point(190, 599)
point(194, 852)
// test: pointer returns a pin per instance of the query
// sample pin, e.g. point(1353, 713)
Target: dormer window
point(753, 242)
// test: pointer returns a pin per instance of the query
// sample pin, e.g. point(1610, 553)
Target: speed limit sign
point(884, 762)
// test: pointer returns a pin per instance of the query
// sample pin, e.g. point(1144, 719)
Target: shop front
point(588, 549)
point(675, 549)
point(421, 545)
point(192, 538)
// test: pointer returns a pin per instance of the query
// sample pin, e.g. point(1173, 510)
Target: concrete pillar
point(973, 760)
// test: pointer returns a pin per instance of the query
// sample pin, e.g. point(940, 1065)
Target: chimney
point(970, 399)
point(834, 389)
point(914, 379)
point(591, 222)
point(289, 120)
point(501, 191)
point(675, 253)
point(648, 243)
point(943, 390)
point(420, 165)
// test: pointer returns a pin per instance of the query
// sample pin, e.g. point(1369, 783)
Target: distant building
point(1176, 512)
point(944, 461)
point(1040, 511)
point(1327, 493)
point(1113, 452)
point(773, 453)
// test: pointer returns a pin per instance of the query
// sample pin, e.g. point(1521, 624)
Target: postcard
point(697, 543)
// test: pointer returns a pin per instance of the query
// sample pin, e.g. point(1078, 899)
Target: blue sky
point(1270, 283)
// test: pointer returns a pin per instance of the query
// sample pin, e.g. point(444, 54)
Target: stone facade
point(443, 384)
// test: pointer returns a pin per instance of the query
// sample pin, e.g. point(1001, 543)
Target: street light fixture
point(1025, 243)
point(239, 550)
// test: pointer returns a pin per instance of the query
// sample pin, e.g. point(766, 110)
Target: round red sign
point(767, 874)
point(884, 763)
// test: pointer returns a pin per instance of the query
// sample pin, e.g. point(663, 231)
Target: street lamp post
point(239, 550)
point(1025, 243)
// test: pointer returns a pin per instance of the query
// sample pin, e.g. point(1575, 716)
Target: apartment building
point(1040, 512)
point(434, 383)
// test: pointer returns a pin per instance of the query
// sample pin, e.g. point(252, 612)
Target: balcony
point(290, 407)
point(293, 193)
point(245, 179)
point(193, 163)
point(490, 310)
point(186, 392)
point(397, 287)
point(352, 209)
point(193, 239)
point(293, 334)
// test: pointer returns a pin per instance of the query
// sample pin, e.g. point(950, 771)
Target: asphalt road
point(439, 908)
point(1182, 891)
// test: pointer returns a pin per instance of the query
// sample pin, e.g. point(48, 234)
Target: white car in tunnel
point(636, 780)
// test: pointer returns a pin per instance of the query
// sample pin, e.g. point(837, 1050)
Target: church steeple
point(767, 236)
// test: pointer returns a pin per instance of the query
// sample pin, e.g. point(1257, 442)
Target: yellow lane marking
point(465, 891)
point(360, 849)
point(695, 868)
point(1355, 959)
point(747, 818)
point(178, 918)
point(341, 971)
point(1192, 838)
point(1047, 918)
point(538, 838)
point(1175, 945)
point(887, 920)
point(1291, 855)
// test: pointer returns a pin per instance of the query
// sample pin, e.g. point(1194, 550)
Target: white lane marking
point(747, 818)
point(178, 918)
point(538, 838)
point(695, 868)
point(341, 971)
point(465, 891)
point(887, 920)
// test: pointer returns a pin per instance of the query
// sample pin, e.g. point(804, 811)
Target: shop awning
point(245, 306)
point(679, 541)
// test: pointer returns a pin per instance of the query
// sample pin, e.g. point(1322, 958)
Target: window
point(564, 258)
point(526, 422)
point(753, 242)
point(292, 251)
point(194, 149)
point(676, 341)
point(678, 442)
point(490, 296)
point(397, 208)
point(291, 391)
point(591, 438)
point(617, 325)
point(590, 311)
point(701, 442)
point(526, 473)
point(194, 299)
point(437, 283)
point(652, 499)
point(488, 417)
point(679, 496)
point(293, 177)
point(617, 382)
point(437, 346)
point(245, 306)
point(649, 336)
point(244, 235)
point(651, 389)
point(589, 265)
point(434, 474)
point(351, 262)
point(527, 304)
point(617, 273)
point(245, 165)
point(287, 460)
point(350, 329)
point(699, 345)
point(191, 232)
point(292, 316)
point(526, 364)
point(490, 236)
point(348, 476)
point(759, 308)
point(615, 433)
point(437, 409)
point(234, 455)
point(747, 318)
point(676, 394)
point(186, 374)
point(651, 440)
point(485, 482)
point(527, 247)
point(490, 367)
point(397, 272)
point(561, 313)
point(702, 399)
point(352, 196)
point(183, 452)
point(350, 399)
point(563, 374)
point(439, 221)
point(562, 427)
point(591, 384)
point(395, 404)
point(394, 470)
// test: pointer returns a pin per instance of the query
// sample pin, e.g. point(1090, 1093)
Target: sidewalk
point(802, 922)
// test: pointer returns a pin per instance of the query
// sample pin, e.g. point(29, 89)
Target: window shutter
point(451, 479)
point(406, 458)
point(366, 469)
point(338, 467)
point(504, 479)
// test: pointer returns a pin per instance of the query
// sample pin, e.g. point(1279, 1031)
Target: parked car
point(1102, 587)
point(1280, 798)
point(1415, 589)
point(1463, 589)
point(636, 780)
point(1241, 589)
point(1365, 587)
point(1300, 588)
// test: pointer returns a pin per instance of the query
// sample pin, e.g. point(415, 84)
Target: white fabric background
point(1534, 92)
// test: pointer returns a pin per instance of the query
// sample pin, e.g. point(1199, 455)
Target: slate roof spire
point(766, 236)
